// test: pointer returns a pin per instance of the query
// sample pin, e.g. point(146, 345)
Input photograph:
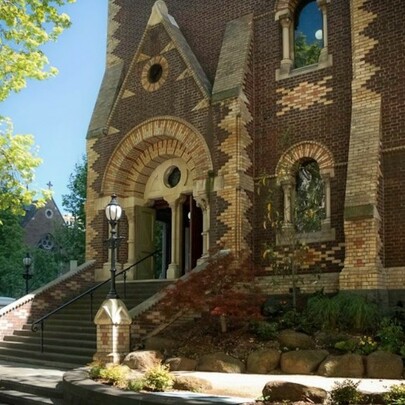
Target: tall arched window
point(308, 34)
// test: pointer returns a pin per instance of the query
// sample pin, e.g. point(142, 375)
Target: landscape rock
point(143, 359)
point(190, 383)
point(295, 340)
point(181, 364)
point(161, 344)
point(263, 361)
point(347, 365)
point(221, 363)
point(381, 364)
point(302, 361)
point(288, 391)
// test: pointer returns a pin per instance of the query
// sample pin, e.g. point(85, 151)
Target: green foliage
point(95, 369)
point(396, 395)
point(158, 379)
point(72, 236)
point(346, 393)
point(363, 345)
point(114, 374)
point(304, 53)
point(18, 160)
point(391, 336)
point(344, 311)
point(27, 25)
point(136, 385)
point(264, 330)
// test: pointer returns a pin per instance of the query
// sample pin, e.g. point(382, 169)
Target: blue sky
point(58, 111)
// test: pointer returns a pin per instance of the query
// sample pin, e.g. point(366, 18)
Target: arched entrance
point(159, 172)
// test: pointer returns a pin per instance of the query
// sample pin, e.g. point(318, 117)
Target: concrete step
point(45, 357)
point(73, 335)
point(38, 362)
point(48, 348)
point(62, 341)
point(68, 328)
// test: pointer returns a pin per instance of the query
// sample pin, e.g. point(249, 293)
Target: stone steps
point(70, 335)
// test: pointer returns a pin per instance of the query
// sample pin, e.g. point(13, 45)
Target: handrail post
point(42, 336)
point(91, 306)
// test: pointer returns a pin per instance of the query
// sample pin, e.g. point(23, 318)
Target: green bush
point(135, 385)
point(345, 311)
point(95, 369)
point(391, 336)
point(115, 374)
point(264, 330)
point(363, 345)
point(396, 395)
point(346, 393)
point(158, 379)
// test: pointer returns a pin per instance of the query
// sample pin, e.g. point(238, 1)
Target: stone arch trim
point(148, 145)
point(284, 5)
point(304, 150)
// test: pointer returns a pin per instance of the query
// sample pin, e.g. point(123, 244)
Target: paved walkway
point(236, 387)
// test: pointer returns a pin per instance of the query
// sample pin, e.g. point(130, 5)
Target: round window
point(155, 73)
point(46, 242)
point(48, 213)
point(172, 177)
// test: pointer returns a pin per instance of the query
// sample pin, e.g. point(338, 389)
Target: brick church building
point(200, 100)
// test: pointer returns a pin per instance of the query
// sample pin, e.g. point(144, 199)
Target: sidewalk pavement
point(233, 386)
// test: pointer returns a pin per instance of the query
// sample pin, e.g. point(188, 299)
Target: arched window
point(304, 173)
point(309, 204)
point(304, 35)
point(308, 34)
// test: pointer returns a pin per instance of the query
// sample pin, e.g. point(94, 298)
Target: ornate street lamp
point(27, 261)
point(113, 212)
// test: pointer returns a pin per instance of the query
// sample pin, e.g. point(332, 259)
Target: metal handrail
point(34, 325)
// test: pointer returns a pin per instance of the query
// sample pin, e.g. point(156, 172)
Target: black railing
point(39, 323)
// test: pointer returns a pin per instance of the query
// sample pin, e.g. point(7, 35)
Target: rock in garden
point(347, 365)
point(161, 344)
point(263, 361)
point(381, 364)
point(220, 362)
point(288, 391)
point(302, 361)
point(295, 340)
point(190, 383)
point(143, 359)
point(181, 364)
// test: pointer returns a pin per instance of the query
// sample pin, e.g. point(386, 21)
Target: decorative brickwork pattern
point(363, 267)
point(148, 145)
point(113, 26)
point(236, 181)
point(305, 150)
point(304, 95)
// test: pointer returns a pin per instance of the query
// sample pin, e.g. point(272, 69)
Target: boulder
point(381, 364)
point(220, 362)
point(263, 361)
point(348, 365)
point(143, 359)
point(190, 383)
point(295, 340)
point(288, 391)
point(161, 344)
point(302, 361)
point(181, 364)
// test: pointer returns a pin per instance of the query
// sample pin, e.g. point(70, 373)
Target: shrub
point(391, 336)
point(396, 395)
point(264, 330)
point(115, 374)
point(363, 345)
point(135, 385)
point(346, 393)
point(95, 369)
point(158, 379)
point(346, 311)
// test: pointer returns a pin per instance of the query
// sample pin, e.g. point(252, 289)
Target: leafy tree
point(304, 52)
point(72, 236)
point(11, 254)
point(25, 26)
point(224, 289)
point(18, 160)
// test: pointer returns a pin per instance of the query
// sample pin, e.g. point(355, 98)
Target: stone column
point(323, 57)
point(287, 191)
point(203, 204)
point(326, 182)
point(286, 62)
point(113, 331)
point(130, 213)
point(176, 207)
